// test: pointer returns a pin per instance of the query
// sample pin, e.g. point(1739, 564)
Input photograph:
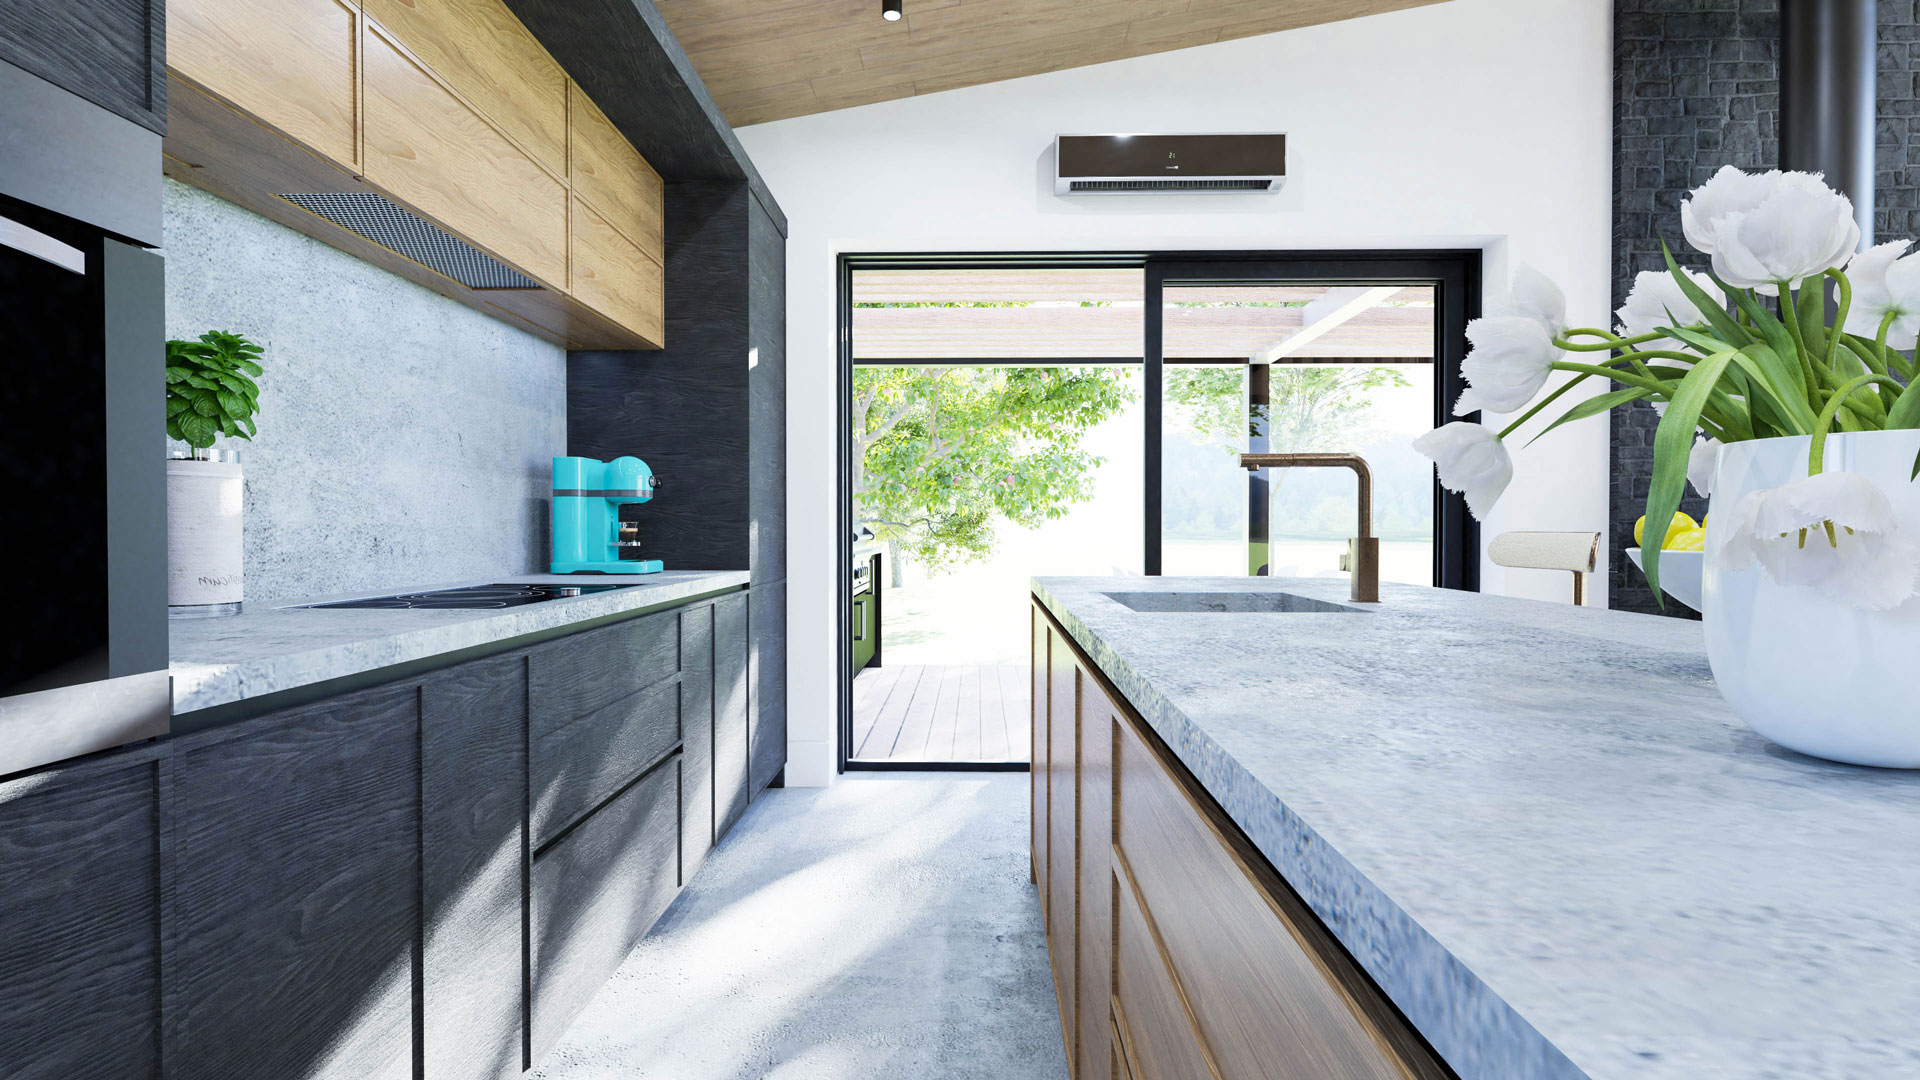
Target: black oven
point(83, 631)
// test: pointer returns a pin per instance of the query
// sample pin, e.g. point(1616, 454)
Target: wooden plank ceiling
point(771, 59)
point(1061, 314)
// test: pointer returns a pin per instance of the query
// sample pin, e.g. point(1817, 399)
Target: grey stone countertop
point(1540, 829)
point(217, 661)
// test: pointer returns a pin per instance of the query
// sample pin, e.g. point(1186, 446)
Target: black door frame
point(1455, 275)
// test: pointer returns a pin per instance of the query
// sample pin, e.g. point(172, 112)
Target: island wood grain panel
point(610, 273)
point(291, 63)
point(1149, 1007)
point(1063, 824)
point(485, 54)
point(297, 890)
point(427, 149)
point(772, 59)
point(1261, 1002)
point(80, 893)
point(1094, 982)
point(608, 174)
point(1042, 653)
point(473, 849)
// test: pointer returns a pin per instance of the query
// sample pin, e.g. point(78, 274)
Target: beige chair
point(1577, 552)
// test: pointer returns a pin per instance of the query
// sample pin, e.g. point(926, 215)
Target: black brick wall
point(1695, 87)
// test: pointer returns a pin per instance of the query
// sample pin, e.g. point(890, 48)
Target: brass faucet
point(1363, 551)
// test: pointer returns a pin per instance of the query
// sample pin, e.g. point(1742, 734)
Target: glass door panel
point(1295, 367)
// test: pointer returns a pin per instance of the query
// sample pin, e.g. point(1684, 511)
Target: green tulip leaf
point(1672, 446)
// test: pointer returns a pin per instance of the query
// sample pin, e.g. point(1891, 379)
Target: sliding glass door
point(1356, 353)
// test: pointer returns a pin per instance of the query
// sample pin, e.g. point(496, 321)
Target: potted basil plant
point(211, 394)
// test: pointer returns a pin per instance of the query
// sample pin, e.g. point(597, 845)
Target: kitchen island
point(1537, 829)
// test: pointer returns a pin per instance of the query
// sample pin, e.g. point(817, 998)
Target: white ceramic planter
point(1812, 673)
point(204, 571)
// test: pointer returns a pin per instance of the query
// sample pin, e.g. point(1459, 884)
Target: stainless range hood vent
point(405, 233)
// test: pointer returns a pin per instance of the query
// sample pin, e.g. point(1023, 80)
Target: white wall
point(1474, 123)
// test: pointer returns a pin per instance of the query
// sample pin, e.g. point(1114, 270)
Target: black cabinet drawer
point(79, 904)
point(595, 894)
point(603, 707)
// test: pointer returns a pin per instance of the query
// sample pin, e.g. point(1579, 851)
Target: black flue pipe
point(1827, 96)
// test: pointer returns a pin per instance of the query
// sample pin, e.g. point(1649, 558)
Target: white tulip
point(1532, 295)
point(1834, 531)
point(1799, 230)
point(1885, 283)
point(1701, 462)
point(1471, 460)
point(1512, 356)
point(1730, 191)
point(1656, 302)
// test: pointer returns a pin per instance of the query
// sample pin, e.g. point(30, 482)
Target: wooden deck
point(941, 712)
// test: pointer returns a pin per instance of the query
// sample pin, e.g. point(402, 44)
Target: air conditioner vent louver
point(405, 233)
point(1171, 185)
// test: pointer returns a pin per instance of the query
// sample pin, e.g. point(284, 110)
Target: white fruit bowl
point(1680, 573)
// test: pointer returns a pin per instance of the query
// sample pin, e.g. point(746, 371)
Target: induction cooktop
point(474, 596)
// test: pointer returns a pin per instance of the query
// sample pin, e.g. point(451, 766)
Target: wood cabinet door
point(611, 176)
point(291, 63)
point(105, 52)
point(1063, 847)
point(610, 274)
point(473, 846)
point(1156, 1034)
point(295, 908)
point(426, 148)
point(1094, 978)
point(1037, 767)
point(1263, 1004)
point(80, 888)
point(485, 54)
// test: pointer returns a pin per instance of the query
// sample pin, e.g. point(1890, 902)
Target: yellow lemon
point(1687, 540)
point(1681, 523)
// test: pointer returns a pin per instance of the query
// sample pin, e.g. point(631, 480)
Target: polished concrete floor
point(884, 927)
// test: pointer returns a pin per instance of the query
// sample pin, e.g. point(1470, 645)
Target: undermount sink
point(1273, 602)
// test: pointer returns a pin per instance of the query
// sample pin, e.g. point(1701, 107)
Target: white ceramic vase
point(204, 568)
point(1801, 668)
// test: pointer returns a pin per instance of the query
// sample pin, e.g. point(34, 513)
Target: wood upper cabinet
point(290, 63)
point(427, 148)
point(1183, 956)
point(614, 276)
point(448, 107)
point(486, 55)
point(608, 174)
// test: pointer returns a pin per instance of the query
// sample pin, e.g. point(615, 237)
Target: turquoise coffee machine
point(588, 535)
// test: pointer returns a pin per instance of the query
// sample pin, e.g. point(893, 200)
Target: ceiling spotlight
point(890, 10)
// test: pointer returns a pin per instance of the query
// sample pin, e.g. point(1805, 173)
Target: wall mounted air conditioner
point(1087, 164)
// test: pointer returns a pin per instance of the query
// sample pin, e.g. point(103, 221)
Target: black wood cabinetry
point(473, 848)
point(297, 897)
point(80, 889)
point(352, 888)
point(731, 725)
point(110, 52)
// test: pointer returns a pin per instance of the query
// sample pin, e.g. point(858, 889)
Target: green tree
point(941, 453)
point(1310, 406)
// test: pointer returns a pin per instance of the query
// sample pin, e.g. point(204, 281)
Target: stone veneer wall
point(405, 439)
point(1696, 87)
